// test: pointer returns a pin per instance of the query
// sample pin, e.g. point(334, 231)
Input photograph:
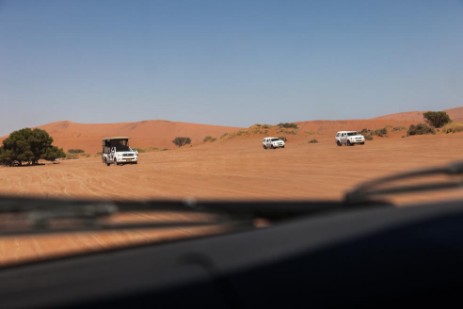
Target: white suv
point(349, 138)
point(116, 150)
point(273, 142)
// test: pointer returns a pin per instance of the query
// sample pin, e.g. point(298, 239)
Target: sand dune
point(160, 133)
point(456, 114)
point(232, 167)
point(143, 134)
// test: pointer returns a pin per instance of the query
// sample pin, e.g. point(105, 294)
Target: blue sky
point(226, 62)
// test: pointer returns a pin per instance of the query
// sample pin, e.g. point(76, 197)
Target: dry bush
point(420, 129)
point(453, 127)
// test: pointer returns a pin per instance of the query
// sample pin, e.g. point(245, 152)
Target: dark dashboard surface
point(378, 257)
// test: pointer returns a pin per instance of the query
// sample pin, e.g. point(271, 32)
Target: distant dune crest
point(160, 133)
point(456, 114)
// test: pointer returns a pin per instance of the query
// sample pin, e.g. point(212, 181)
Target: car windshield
point(122, 148)
point(198, 87)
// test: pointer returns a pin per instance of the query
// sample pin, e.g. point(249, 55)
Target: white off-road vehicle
point(273, 142)
point(349, 138)
point(116, 150)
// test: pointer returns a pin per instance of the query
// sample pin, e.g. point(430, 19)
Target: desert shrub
point(368, 134)
point(380, 132)
point(420, 129)
point(313, 141)
point(396, 129)
point(264, 126)
point(209, 139)
point(242, 132)
point(259, 129)
point(309, 132)
point(288, 125)
point(150, 149)
point(365, 132)
point(75, 151)
point(453, 128)
point(436, 119)
point(71, 156)
point(180, 141)
point(368, 137)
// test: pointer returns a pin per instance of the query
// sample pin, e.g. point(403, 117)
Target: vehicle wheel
point(338, 143)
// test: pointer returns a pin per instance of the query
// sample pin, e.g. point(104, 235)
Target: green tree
point(29, 146)
point(52, 153)
point(437, 119)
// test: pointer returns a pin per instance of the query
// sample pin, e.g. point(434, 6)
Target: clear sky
point(226, 62)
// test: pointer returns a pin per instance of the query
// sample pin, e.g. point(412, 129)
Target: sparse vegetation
point(209, 139)
point(313, 141)
point(398, 129)
point(310, 132)
point(263, 126)
point(368, 134)
point(453, 127)
point(75, 151)
point(420, 129)
point(259, 129)
point(29, 146)
point(380, 132)
point(180, 141)
point(288, 125)
point(365, 132)
point(437, 119)
point(242, 132)
point(149, 149)
point(265, 129)
point(292, 132)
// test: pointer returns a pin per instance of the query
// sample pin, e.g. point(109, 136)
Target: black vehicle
point(360, 252)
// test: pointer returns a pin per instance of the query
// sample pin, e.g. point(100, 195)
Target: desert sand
point(234, 166)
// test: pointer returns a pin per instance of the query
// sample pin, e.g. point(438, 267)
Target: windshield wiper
point(22, 216)
point(382, 186)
